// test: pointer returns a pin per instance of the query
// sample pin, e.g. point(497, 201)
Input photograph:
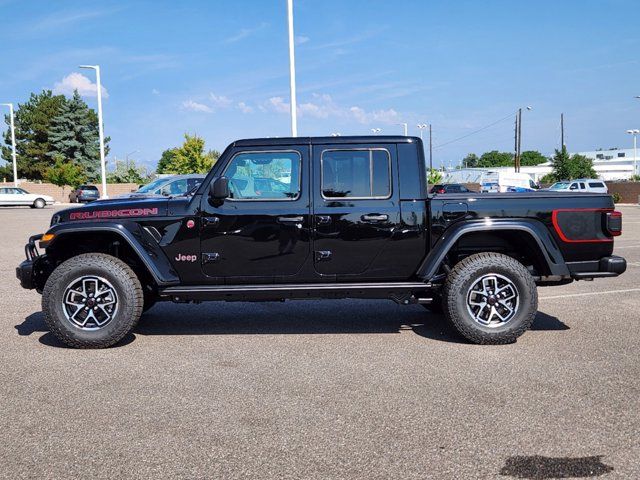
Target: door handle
point(299, 219)
point(210, 221)
point(374, 218)
point(323, 219)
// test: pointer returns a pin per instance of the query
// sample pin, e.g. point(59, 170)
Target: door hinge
point(210, 257)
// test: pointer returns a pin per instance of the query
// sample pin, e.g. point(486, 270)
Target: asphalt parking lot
point(337, 389)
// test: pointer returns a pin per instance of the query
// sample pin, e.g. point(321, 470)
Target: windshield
point(150, 187)
point(559, 186)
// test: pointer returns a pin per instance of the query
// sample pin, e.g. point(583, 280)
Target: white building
point(614, 164)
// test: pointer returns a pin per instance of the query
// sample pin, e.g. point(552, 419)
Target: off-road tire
point(39, 203)
point(467, 272)
point(124, 281)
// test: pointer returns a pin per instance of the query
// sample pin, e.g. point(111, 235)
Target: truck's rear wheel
point(490, 298)
point(92, 301)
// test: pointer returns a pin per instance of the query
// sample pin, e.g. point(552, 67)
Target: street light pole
point(13, 143)
point(292, 71)
point(635, 133)
point(421, 127)
point(405, 128)
point(103, 169)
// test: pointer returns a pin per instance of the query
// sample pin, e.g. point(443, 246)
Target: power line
point(474, 132)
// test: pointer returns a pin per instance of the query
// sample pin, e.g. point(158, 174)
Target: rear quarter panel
point(537, 205)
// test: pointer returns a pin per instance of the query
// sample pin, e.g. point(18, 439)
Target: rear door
point(355, 208)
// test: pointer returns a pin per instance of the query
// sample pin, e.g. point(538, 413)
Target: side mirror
point(219, 189)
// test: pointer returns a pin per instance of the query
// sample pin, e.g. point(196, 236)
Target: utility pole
point(515, 145)
point(13, 144)
point(519, 136)
point(561, 131)
point(292, 71)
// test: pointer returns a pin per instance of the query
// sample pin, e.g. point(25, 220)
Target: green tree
point(531, 158)
point(495, 158)
point(568, 167)
point(64, 173)
point(73, 134)
point(470, 161)
point(32, 122)
point(434, 176)
point(128, 172)
point(166, 162)
point(190, 157)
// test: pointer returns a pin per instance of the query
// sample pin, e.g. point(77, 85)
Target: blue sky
point(220, 69)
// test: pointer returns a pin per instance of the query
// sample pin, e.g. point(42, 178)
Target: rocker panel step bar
point(291, 290)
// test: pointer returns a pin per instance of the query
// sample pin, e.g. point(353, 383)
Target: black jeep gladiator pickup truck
point(308, 218)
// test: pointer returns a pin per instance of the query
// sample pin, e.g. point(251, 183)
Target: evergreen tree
point(32, 123)
point(73, 135)
point(566, 167)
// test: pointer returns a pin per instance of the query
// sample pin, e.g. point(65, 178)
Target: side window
point(177, 187)
point(356, 173)
point(464, 189)
point(3, 191)
point(582, 187)
point(193, 183)
point(596, 185)
point(264, 176)
point(574, 186)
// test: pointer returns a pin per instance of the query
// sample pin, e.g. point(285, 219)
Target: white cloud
point(244, 33)
point(244, 108)
point(381, 116)
point(77, 81)
point(277, 104)
point(196, 107)
point(323, 106)
point(300, 39)
point(220, 101)
point(155, 91)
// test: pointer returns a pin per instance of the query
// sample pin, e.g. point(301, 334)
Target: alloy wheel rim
point(90, 302)
point(493, 300)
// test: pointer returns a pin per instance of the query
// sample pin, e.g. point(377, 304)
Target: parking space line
point(570, 295)
point(626, 246)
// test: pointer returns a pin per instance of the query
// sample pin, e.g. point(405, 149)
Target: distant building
point(614, 164)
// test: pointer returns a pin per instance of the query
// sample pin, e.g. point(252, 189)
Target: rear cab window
point(356, 173)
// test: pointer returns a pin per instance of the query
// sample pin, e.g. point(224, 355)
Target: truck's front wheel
point(92, 301)
point(490, 298)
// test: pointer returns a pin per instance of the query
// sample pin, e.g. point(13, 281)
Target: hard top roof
point(279, 141)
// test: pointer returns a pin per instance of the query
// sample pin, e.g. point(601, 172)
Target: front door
point(260, 233)
point(356, 210)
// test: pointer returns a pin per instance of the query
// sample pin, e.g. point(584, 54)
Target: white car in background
point(10, 196)
point(586, 185)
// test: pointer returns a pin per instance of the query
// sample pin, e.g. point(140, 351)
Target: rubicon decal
point(186, 258)
point(125, 212)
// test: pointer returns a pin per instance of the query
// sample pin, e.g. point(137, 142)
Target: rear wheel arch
point(528, 241)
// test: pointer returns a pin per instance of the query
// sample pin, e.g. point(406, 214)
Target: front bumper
point(605, 267)
point(26, 271)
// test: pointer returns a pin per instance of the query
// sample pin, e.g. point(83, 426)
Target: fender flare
point(142, 243)
point(534, 228)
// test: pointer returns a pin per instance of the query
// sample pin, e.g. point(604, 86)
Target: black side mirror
point(219, 189)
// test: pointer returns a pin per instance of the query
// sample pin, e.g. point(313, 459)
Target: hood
point(113, 209)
